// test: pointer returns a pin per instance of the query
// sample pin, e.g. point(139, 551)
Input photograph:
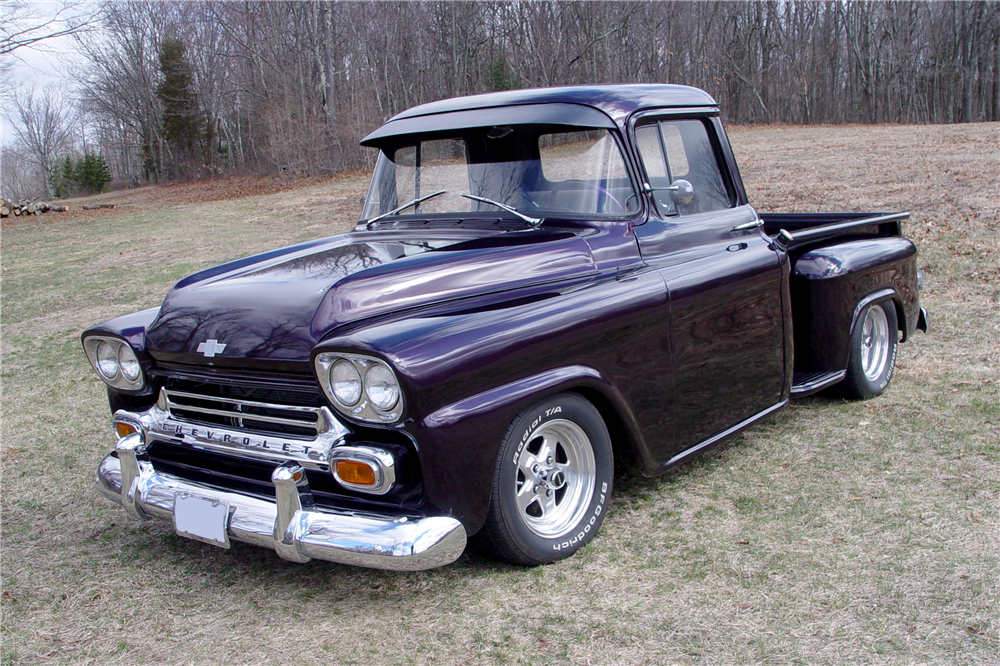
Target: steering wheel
point(576, 184)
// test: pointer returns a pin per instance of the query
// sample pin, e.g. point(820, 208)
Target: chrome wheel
point(874, 343)
point(555, 478)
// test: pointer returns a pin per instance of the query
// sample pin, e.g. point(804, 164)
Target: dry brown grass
point(835, 533)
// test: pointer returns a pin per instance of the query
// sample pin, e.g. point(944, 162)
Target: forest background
point(186, 90)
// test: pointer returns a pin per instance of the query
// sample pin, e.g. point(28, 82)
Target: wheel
point(873, 352)
point(552, 483)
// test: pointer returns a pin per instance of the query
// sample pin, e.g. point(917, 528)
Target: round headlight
point(345, 382)
point(107, 360)
point(381, 387)
point(128, 363)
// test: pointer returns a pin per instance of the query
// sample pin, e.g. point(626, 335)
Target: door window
point(673, 150)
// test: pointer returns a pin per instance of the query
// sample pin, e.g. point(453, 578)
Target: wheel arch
point(446, 457)
point(626, 440)
point(887, 295)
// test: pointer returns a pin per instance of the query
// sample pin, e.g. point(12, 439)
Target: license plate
point(202, 518)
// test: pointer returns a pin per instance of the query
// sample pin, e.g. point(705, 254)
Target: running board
point(711, 441)
point(807, 383)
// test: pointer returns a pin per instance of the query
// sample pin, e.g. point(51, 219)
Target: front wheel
point(552, 482)
point(873, 352)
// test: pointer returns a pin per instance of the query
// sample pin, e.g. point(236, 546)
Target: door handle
point(749, 225)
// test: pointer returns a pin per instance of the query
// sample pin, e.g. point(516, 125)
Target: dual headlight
point(362, 387)
point(114, 361)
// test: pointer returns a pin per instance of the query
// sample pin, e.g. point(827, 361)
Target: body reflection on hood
point(280, 305)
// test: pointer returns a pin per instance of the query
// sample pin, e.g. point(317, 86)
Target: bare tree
point(20, 177)
point(27, 24)
point(42, 124)
point(120, 83)
point(288, 86)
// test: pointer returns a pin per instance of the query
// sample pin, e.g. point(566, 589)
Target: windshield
point(537, 171)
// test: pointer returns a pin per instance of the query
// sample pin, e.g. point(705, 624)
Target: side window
point(651, 151)
point(674, 150)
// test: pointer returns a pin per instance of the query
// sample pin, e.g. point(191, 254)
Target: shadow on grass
point(245, 568)
point(633, 485)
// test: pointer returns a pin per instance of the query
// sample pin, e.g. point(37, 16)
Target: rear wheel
point(552, 482)
point(873, 352)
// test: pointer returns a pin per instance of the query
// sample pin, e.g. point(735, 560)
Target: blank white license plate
point(202, 519)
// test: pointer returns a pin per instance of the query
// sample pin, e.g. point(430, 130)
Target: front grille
point(253, 477)
point(291, 413)
point(282, 419)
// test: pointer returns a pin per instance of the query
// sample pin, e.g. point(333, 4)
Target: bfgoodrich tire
point(873, 352)
point(552, 483)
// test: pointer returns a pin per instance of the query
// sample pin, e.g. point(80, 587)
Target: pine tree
point(63, 180)
point(182, 121)
point(91, 173)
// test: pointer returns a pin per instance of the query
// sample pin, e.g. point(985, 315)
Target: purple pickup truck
point(541, 281)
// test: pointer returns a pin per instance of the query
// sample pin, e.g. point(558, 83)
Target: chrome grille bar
point(314, 417)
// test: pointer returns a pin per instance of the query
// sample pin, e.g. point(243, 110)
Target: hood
point(279, 305)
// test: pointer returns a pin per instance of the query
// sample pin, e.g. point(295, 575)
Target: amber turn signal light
point(124, 429)
point(356, 472)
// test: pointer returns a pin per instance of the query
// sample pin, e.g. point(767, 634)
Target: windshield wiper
point(533, 221)
point(372, 221)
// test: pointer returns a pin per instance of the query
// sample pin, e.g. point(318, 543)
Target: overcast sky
point(45, 63)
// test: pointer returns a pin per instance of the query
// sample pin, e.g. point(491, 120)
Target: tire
point(873, 352)
point(552, 483)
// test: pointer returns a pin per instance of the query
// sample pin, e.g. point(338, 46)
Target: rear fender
point(832, 285)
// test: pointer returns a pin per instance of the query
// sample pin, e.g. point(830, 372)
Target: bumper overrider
point(291, 525)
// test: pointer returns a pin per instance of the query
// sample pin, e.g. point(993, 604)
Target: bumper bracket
point(291, 525)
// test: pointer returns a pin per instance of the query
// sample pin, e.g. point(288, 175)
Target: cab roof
point(615, 102)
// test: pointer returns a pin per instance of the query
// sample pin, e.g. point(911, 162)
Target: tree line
point(187, 89)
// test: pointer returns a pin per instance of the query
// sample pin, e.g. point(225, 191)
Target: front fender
point(466, 374)
point(131, 328)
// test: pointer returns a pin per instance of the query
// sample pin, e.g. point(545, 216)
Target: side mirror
point(681, 191)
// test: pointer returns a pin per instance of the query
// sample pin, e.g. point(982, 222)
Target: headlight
point(128, 364)
point(361, 387)
point(381, 387)
point(115, 362)
point(107, 360)
point(345, 382)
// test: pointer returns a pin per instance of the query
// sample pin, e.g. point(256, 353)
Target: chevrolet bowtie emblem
point(211, 347)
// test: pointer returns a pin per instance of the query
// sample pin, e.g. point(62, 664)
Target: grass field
point(834, 533)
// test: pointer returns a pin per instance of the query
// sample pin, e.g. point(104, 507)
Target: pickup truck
point(541, 282)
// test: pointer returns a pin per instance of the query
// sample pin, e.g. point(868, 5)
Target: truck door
point(724, 283)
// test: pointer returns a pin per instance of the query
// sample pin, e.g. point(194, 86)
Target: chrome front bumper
point(290, 525)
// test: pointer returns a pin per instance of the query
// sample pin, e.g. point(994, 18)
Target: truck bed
point(793, 230)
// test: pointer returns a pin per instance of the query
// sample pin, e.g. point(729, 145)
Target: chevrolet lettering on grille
point(207, 436)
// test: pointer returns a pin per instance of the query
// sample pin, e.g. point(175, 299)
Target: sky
point(46, 63)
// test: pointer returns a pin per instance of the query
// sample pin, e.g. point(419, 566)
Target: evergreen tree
point(501, 77)
point(92, 173)
point(182, 122)
point(63, 181)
